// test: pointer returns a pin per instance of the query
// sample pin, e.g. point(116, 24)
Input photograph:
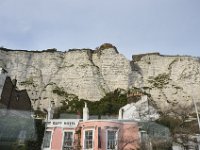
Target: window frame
point(85, 130)
point(116, 138)
point(47, 148)
point(72, 131)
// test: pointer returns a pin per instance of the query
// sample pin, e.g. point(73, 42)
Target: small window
point(68, 141)
point(144, 135)
point(99, 137)
point(88, 141)
point(111, 139)
point(47, 139)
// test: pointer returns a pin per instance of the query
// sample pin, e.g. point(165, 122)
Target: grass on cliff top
point(106, 46)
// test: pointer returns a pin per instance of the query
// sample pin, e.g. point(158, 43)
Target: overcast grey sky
point(133, 26)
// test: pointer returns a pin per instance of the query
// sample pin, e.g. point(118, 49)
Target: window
point(111, 139)
point(68, 141)
point(99, 137)
point(144, 136)
point(88, 140)
point(47, 139)
point(22, 137)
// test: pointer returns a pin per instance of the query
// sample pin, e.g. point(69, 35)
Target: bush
point(108, 105)
point(59, 91)
point(28, 81)
point(106, 46)
point(171, 122)
point(160, 81)
point(50, 50)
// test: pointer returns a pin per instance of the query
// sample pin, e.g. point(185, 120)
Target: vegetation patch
point(84, 65)
point(139, 57)
point(160, 81)
point(171, 122)
point(60, 91)
point(177, 87)
point(106, 46)
point(50, 50)
point(179, 124)
point(174, 61)
point(38, 113)
point(108, 105)
point(28, 81)
point(135, 94)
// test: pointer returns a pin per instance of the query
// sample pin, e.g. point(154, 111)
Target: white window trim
point(88, 129)
point(63, 134)
point(117, 131)
point(49, 148)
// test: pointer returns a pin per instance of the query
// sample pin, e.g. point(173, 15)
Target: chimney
point(121, 111)
point(50, 111)
point(85, 113)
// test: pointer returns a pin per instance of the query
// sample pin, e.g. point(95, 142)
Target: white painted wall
point(138, 111)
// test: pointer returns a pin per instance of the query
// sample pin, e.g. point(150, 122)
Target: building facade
point(75, 134)
point(78, 134)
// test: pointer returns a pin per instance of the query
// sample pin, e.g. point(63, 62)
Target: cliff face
point(86, 73)
point(171, 80)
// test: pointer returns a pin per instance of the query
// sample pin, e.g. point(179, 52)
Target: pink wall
point(128, 135)
point(58, 136)
point(57, 139)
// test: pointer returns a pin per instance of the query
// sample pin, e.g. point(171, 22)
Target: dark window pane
point(47, 139)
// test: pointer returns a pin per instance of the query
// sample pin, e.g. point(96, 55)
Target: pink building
point(76, 134)
point(109, 135)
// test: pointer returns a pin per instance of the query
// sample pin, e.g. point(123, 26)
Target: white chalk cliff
point(171, 80)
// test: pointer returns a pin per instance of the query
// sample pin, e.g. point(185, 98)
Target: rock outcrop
point(171, 80)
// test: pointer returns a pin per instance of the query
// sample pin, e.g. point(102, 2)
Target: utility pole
point(196, 113)
point(198, 138)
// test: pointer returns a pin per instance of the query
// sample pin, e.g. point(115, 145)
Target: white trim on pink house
point(125, 130)
point(93, 134)
point(116, 138)
point(49, 148)
point(63, 136)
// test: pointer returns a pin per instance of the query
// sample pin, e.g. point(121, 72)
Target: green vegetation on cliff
point(108, 105)
point(159, 81)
